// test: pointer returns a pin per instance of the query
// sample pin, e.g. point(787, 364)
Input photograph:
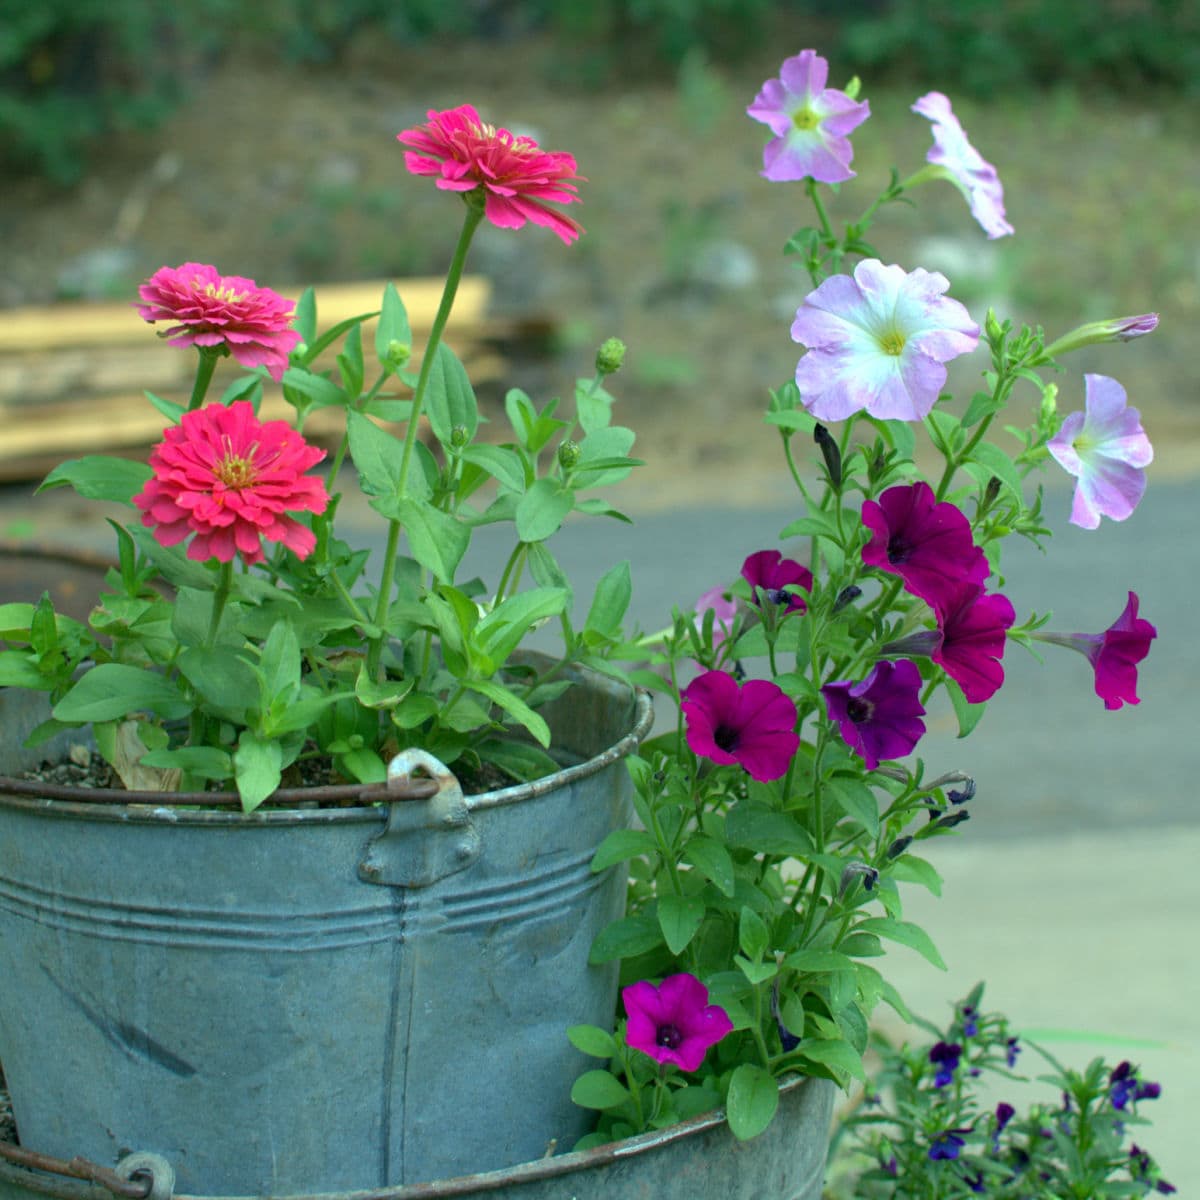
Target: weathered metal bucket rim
point(440, 1189)
point(363, 801)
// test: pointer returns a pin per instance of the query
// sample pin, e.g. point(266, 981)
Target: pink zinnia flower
point(674, 1022)
point(965, 167)
point(926, 542)
point(516, 176)
point(1107, 450)
point(251, 322)
point(879, 341)
point(881, 716)
point(810, 122)
point(230, 479)
point(1114, 654)
point(775, 579)
point(753, 725)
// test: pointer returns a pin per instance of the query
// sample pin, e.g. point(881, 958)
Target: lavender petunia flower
point(753, 725)
point(1114, 654)
point(926, 542)
point(879, 341)
point(724, 613)
point(1106, 449)
point(966, 168)
point(810, 122)
point(674, 1022)
point(776, 579)
point(881, 716)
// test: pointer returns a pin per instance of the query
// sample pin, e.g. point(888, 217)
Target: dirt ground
point(294, 176)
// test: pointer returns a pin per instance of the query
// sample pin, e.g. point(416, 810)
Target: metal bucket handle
point(426, 838)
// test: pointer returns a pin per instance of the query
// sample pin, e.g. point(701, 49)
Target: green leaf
point(224, 679)
point(598, 1089)
point(376, 455)
point(522, 416)
point(112, 690)
point(504, 465)
point(350, 362)
point(906, 934)
point(712, 860)
point(626, 938)
point(813, 961)
point(752, 1101)
point(319, 344)
point(603, 457)
point(543, 509)
point(305, 319)
point(546, 572)
point(765, 831)
point(610, 602)
point(168, 408)
point(592, 1041)
point(945, 430)
point(623, 844)
point(393, 324)
point(257, 768)
point(593, 405)
point(856, 800)
point(437, 541)
point(679, 917)
point(514, 706)
point(206, 762)
point(756, 972)
point(987, 460)
point(19, 669)
point(752, 934)
point(816, 524)
point(279, 663)
point(908, 868)
point(449, 398)
point(505, 627)
point(316, 390)
point(518, 759)
point(969, 715)
point(98, 477)
point(982, 404)
point(834, 1053)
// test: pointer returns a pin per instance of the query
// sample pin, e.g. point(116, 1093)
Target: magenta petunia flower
point(879, 341)
point(966, 168)
point(926, 542)
point(674, 1022)
point(881, 716)
point(1107, 450)
point(251, 322)
point(518, 178)
point(230, 479)
point(777, 578)
point(1114, 654)
point(753, 724)
point(973, 632)
point(724, 611)
point(810, 122)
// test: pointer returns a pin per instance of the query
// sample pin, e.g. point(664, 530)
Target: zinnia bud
point(568, 454)
point(610, 356)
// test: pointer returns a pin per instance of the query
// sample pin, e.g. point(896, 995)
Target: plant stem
point(204, 373)
point(220, 595)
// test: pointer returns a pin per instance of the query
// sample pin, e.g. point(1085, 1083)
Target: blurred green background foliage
point(72, 71)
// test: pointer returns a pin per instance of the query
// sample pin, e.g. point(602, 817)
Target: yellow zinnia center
point(892, 343)
point(236, 471)
point(223, 293)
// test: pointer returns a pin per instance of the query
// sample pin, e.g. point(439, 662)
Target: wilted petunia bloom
point(1114, 654)
point(810, 122)
point(230, 479)
point(881, 716)
point(674, 1022)
point(925, 541)
point(1107, 450)
point(947, 1144)
point(879, 341)
point(516, 176)
point(970, 172)
point(753, 724)
point(973, 626)
point(212, 310)
point(777, 578)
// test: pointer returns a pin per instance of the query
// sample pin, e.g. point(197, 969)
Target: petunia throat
point(668, 1035)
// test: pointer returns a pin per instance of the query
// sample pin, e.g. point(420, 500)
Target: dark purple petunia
point(1011, 1050)
point(947, 1144)
point(753, 725)
point(945, 1056)
point(1114, 654)
point(674, 1022)
point(926, 542)
point(776, 578)
point(881, 716)
point(973, 626)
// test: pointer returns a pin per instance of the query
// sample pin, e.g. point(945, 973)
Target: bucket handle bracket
point(425, 839)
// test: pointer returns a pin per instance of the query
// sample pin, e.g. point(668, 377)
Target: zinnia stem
point(388, 574)
point(204, 373)
point(220, 595)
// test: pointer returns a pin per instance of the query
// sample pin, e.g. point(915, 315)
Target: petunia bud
point(610, 356)
point(991, 492)
point(831, 454)
point(898, 847)
point(1116, 329)
point(846, 596)
point(568, 454)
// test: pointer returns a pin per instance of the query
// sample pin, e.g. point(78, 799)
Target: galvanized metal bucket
point(695, 1160)
point(315, 999)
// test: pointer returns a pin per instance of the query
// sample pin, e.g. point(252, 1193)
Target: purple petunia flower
point(1011, 1050)
point(776, 578)
point(1107, 450)
point(1114, 654)
point(879, 341)
point(810, 122)
point(965, 167)
point(674, 1022)
point(973, 629)
point(881, 716)
point(945, 1056)
point(926, 542)
point(947, 1144)
point(753, 724)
